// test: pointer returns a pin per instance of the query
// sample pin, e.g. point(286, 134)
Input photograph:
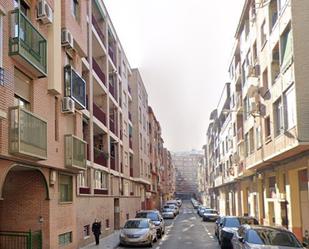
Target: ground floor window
point(86, 231)
point(65, 188)
point(65, 239)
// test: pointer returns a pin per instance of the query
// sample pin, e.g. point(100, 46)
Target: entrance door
point(116, 214)
point(271, 213)
point(304, 202)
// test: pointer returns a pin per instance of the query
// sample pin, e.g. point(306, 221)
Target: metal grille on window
point(1, 76)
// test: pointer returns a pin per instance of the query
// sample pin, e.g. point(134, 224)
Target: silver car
point(138, 232)
point(156, 218)
point(168, 213)
point(265, 237)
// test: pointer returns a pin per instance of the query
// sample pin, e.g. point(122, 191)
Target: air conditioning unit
point(66, 38)
point(44, 12)
point(68, 105)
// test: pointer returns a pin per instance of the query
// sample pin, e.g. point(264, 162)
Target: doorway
point(116, 214)
point(304, 202)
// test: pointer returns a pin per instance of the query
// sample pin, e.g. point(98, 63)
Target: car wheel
point(150, 243)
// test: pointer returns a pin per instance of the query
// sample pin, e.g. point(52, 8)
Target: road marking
point(187, 228)
point(158, 247)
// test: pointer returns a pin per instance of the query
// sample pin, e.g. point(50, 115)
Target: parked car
point(196, 204)
point(173, 202)
point(201, 210)
point(179, 201)
point(168, 213)
point(210, 215)
point(228, 227)
point(265, 237)
point(156, 218)
point(217, 225)
point(172, 206)
point(138, 232)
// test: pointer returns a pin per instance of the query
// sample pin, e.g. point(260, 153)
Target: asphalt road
point(187, 231)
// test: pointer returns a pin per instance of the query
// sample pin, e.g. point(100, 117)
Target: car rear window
point(149, 215)
point(232, 222)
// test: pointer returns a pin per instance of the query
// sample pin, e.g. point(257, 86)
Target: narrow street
point(187, 231)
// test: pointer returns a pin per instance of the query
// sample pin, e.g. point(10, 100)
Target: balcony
point(98, 71)
point(100, 157)
point(99, 113)
point(98, 29)
point(75, 87)
point(75, 152)
point(27, 134)
point(27, 45)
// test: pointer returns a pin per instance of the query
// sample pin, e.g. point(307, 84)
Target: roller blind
point(22, 85)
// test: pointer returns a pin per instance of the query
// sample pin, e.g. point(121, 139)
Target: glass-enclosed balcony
point(75, 87)
point(75, 152)
point(27, 45)
point(27, 134)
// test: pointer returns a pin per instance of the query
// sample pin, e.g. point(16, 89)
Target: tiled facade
point(68, 146)
point(257, 139)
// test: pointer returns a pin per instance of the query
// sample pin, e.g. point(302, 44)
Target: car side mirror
point(305, 244)
point(221, 224)
point(241, 239)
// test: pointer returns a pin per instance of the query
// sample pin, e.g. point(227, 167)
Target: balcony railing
point(99, 71)
point(28, 134)
point(27, 45)
point(98, 29)
point(99, 113)
point(75, 152)
point(75, 87)
point(100, 157)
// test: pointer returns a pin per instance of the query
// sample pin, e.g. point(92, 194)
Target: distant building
point(187, 165)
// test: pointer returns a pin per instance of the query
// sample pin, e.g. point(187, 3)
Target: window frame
point(64, 235)
point(70, 193)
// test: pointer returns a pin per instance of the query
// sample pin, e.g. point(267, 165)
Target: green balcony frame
point(27, 45)
point(27, 134)
point(75, 152)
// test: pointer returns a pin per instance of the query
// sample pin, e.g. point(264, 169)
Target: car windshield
point(272, 237)
point(133, 224)
point(153, 216)
point(232, 222)
point(209, 211)
point(167, 210)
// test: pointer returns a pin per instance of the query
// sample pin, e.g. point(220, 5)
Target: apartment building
point(141, 161)
point(68, 120)
point(167, 179)
point(154, 130)
point(267, 176)
point(186, 167)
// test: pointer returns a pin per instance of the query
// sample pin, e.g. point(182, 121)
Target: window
point(254, 53)
point(281, 4)
point(246, 144)
point(290, 108)
point(275, 68)
point(107, 225)
point(265, 80)
point(140, 114)
point(267, 127)
point(251, 141)
point(100, 179)
point(246, 108)
point(141, 141)
point(1, 39)
point(65, 188)
point(86, 231)
point(22, 87)
point(75, 9)
point(65, 239)
point(278, 117)
point(258, 137)
point(273, 13)
point(125, 128)
point(22, 5)
point(82, 179)
point(263, 34)
point(286, 49)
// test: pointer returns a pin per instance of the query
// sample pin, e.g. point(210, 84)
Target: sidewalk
point(109, 242)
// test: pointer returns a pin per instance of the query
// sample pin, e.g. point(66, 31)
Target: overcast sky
point(182, 48)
